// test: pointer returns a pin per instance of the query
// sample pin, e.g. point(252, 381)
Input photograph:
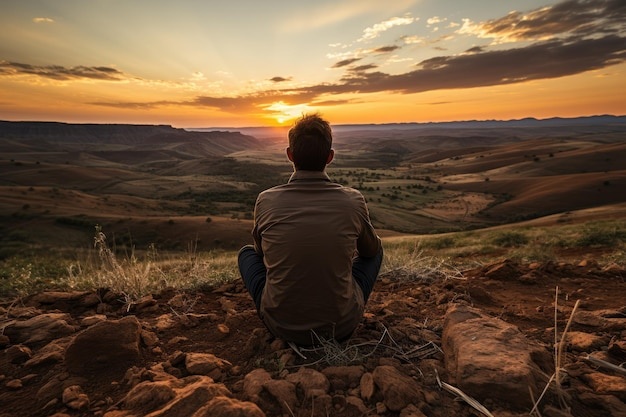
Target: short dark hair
point(310, 140)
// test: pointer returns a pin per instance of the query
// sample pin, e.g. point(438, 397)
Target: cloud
point(434, 20)
point(569, 38)
point(582, 17)
point(280, 79)
point(475, 49)
point(43, 20)
point(374, 31)
point(134, 105)
point(60, 73)
point(345, 62)
point(542, 60)
point(362, 68)
point(384, 49)
point(538, 61)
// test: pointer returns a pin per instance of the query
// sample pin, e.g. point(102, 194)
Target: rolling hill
point(158, 184)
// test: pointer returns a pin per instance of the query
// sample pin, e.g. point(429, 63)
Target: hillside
point(62, 179)
point(150, 317)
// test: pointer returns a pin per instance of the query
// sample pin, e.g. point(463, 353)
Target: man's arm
point(368, 244)
point(256, 235)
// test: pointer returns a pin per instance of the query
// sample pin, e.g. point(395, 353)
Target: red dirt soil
point(523, 295)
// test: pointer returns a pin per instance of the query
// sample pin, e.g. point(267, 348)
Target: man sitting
point(316, 254)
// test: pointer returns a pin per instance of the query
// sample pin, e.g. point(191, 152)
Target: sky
point(237, 63)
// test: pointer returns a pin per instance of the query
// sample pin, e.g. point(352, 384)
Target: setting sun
point(284, 113)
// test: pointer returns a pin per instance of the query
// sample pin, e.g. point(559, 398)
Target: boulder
point(109, 347)
point(491, 359)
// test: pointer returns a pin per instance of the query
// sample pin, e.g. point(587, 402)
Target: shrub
point(595, 235)
point(439, 243)
point(510, 239)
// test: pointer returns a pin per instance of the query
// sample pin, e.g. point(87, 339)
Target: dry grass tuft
point(134, 277)
point(558, 359)
point(334, 353)
point(411, 263)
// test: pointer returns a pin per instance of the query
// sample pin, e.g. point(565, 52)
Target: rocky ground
point(424, 343)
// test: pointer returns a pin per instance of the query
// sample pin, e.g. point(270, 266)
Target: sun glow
point(283, 112)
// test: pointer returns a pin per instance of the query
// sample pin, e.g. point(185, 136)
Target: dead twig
point(469, 400)
point(607, 365)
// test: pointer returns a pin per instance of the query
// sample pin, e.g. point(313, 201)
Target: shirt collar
point(309, 176)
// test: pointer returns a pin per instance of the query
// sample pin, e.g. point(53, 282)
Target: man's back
point(316, 255)
point(308, 232)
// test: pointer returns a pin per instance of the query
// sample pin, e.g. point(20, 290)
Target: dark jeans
point(253, 272)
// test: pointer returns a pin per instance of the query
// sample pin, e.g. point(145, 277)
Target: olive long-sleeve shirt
point(308, 232)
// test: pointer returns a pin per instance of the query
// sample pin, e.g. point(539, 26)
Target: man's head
point(310, 142)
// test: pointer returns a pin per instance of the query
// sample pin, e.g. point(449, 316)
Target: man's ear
point(289, 154)
point(331, 155)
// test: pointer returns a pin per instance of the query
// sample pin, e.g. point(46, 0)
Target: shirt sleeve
point(256, 235)
point(368, 242)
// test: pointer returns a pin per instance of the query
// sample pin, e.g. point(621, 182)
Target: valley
point(157, 185)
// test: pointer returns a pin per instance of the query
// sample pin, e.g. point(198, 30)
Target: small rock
point(40, 329)
point(74, 398)
point(53, 352)
point(311, 382)
point(587, 263)
point(145, 303)
point(148, 396)
point(411, 411)
point(177, 339)
point(177, 301)
point(91, 320)
point(14, 384)
point(206, 364)
point(150, 339)
point(18, 353)
point(355, 406)
point(604, 384)
point(222, 406)
point(617, 349)
point(253, 383)
point(398, 389)
point(503, 271)
point(228, 306)
point(277, 345)
point(342, 378)
point(322, 406)
point(367, 386)
point(585, 342)
point(165, 322)
point(284, 392)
